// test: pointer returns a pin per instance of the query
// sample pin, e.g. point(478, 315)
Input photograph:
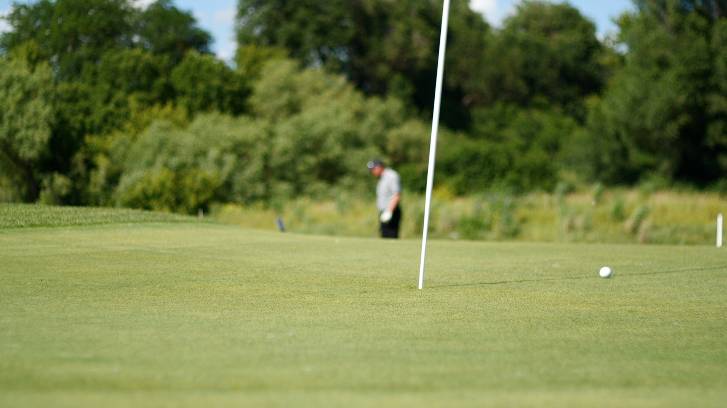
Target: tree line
point(104, 103)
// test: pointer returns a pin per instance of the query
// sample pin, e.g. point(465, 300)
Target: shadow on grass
point(514, 281)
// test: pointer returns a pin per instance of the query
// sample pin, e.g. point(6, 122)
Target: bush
point(202, 83)
point(509, 148)
point(215, 159)
point(478, 224)
point(165, 190)
point(55, 188)
point(311, 135)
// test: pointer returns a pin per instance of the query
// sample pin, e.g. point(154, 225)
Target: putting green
point(184, 314)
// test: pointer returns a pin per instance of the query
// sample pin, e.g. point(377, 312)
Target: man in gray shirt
point(388, 198)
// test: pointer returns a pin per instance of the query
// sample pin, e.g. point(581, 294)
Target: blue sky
point(218, 16)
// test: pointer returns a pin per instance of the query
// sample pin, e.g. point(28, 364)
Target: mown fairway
point(195, 314)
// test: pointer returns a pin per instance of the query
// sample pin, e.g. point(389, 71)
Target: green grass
point(191, 314)
point(36, 215)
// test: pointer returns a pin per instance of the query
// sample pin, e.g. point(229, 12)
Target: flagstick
point(719, 230)
point(433, 141)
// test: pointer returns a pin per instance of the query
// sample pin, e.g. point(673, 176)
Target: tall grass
point(597, 215)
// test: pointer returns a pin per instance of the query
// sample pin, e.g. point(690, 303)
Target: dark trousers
point(391, 229)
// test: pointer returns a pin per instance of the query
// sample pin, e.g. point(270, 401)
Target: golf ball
point(605, 272)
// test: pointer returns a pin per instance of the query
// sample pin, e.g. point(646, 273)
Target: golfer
point(388, 198)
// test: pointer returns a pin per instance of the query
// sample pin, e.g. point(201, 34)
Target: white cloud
point(510, 11)
point(142, 4)
point(495, 11)
point(218, 22)
point(226, 43)
point(226, 49)
point(225, 16)
point(487, 8)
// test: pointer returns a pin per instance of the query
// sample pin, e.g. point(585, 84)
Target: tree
point(545, 54)
point(717, 98)
point(70, 33)
point(315, 32)
point(166, 30)
point(384, 47)
point(216, 159)
point(663, 112)
point(250, 59)
point(122, 78)
point(395, 48)
point(25, 95)
point(661, 9)
point(202, 83)
point(316, 121)
point(509, 147)
point(108, 60)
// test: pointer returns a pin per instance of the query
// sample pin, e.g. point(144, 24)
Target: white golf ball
point(605, 272)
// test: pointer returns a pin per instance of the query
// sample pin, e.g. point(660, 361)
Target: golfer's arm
point(394, 202)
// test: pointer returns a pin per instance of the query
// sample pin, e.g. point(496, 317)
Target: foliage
point(202, 83)
point(664, 113)
point(70, 33)
point(119, 80)
point(134, 110)
point(100, 163)
point(314, 31)
point(108, 61)
point(509, 148)
point(317, 134)
point(552, 57)
point(186, 169)
point(163, 29)
point(25, 123)
point(250, 59)
point(310, 131)
point(504, 145)
point(384, 47)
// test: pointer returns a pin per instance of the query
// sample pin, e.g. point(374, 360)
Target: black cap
point(374, 163)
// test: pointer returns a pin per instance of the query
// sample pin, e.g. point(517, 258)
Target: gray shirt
point(389, 186)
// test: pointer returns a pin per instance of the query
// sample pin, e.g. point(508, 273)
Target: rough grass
point(181, 314)
point(36, 215)
point(597, 216)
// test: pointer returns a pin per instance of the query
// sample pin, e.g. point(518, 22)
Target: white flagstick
point(719, 231)
point(433, 141)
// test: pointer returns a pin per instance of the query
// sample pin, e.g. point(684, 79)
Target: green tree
point(316, 122)
point(250, 59)
point(546, 54)
point(109, 61)
point(70, 33)
point(163, 29)
point(102, 159)
point(216, 159)
point(661, 9)
point(202, 83)
point(98, 102)
point(663, 113)
point(717, 97)
point(26, 97)
point(384, 47)
point(122, 78)
point(509, 148)
point(73, 33)
point(315, 32)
